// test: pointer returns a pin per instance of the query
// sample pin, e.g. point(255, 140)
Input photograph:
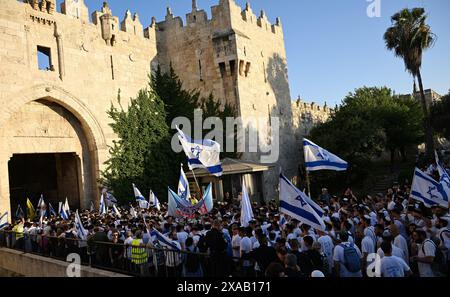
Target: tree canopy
point(440, 114)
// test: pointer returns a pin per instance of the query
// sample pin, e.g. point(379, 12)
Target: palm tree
point(408, 37)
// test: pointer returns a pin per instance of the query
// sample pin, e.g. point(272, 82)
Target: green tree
point(370, 121)
point(408, 37)
point(141, 153)
point(440, 113)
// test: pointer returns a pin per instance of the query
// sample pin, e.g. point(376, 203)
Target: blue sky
point(332, 46)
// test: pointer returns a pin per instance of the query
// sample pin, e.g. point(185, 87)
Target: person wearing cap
point(387, 237)
point(392, 266)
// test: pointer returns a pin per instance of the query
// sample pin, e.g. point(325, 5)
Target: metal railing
point(142, 261)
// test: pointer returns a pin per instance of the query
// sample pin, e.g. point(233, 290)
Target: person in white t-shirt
point(426, 252)
point(392, 266)
point(339, 258)
point(387, 237)
point(236, 243)
point(367, 246)
point(245, 248)
point(327, 246)
point(399, 241)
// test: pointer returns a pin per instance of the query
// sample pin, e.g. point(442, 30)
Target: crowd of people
point(387, 235)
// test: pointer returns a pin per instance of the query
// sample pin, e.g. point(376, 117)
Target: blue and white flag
point(294, 203)
point(102, 208)
point(246, 207)
point(317, 158)
point(164, 240)
point(444, 177)
point(41, 202)
point(66, 207)
point(4, 220)
point(81, 232)
point(116, 211)
point(139, 198)
point(201, 153)
point(183, 186)
point(153, 201)
point(133, 212)
point(178, 207)
point(52, 210)
point(425, 189)
point(63, 213)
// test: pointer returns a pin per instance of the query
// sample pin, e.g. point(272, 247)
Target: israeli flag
point(133, 212)
point(183, 186)
point(317, 158)
point(81, 232)
point(201, 153)
point(41, 203)
point(4, 220)
point(425, 189)
point(163, 240)
point(102, 208)
point(52, 210)
point(444, 177)
point(153, 200)
point(246, 207)
point(293, 203)
point(63, 213)
point(66, 207)
point(139, 198)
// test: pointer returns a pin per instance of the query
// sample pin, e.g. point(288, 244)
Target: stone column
point(59, 44)
point(5, 203)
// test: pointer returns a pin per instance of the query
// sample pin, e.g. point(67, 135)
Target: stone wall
point(23, 264)
point(89, 63)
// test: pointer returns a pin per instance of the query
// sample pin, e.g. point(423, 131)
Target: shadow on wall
point(290, 151)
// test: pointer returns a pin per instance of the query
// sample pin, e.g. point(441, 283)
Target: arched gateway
point(50, 145)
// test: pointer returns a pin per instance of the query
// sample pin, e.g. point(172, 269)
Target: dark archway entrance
point(55, 176)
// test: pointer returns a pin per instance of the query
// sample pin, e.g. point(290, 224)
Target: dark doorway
point(55, 176)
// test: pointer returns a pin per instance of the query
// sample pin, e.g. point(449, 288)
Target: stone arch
point(90, 127)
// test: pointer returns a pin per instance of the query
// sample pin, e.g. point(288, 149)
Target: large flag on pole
point(179, 207)
point(81, 232)
point(4, 220)
point(30, 210)
point(116, 211)
point(63, 213)
point(183, 186)
point(317, 158)
point(425, 189)
point(293, 202)
point(201, 153)
point(246, 207)
point(139, 198)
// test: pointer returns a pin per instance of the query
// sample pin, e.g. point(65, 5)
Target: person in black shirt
point(291, 268)
point(264, 254)
point(217, 245)
point(310, 259)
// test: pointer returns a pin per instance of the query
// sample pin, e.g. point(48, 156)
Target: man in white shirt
point(367, 247)
point(399, 241)
point(245, 249)
point(182, 236)
point(392, 266)
point(340, 261)
point(236, 243)
point(327, 246)
point(426, 253)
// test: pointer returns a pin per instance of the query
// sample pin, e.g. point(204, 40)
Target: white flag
point(246, 207)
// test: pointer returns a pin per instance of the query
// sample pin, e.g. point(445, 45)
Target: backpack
point(439, 264)
point(192, 261)
point(351, 258)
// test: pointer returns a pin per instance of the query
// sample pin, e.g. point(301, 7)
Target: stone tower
point(241, 58)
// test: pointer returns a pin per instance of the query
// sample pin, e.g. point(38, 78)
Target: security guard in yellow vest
point(138, 252)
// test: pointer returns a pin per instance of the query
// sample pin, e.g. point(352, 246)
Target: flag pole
point(196, 182)
point(308, 183)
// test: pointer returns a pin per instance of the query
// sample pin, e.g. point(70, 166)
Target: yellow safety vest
point(138, 254)
point(18, 229)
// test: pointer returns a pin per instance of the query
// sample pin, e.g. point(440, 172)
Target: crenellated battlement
point(227, 12)
point(110, 24)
